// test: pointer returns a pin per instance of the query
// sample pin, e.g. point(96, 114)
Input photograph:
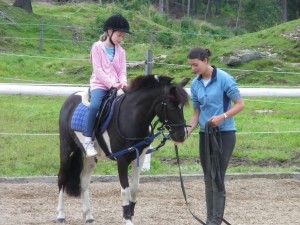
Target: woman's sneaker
point(90, 149)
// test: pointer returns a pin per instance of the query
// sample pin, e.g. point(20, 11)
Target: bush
point(187, 24)
point(166, 39)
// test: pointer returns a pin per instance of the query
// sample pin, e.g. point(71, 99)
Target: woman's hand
point(217, 120)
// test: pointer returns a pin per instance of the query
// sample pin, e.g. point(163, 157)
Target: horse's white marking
point(85, 179)
point(84, 97)
point(128, 222)
point(85, 176)
point(126, 196)
point(101, 154)
point(156, 77)
point(147, 162)
point(80, 137)
point(60, 207)
point(107, 140)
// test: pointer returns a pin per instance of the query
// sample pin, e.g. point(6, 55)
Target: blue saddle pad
point(79, 119)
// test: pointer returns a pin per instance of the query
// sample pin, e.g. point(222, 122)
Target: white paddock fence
point(58, 90)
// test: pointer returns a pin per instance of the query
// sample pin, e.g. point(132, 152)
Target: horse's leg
point(69, 171)
point(85, 178)
point(125, 189)
point(60, 208)
point(134, 188)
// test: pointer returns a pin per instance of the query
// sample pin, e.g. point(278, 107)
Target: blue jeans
point(97, 96)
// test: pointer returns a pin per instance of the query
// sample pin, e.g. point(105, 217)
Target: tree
point(218, 4)
point(238, 14)
point(167, 6)
point(24, 4)
point(208, 9)
point(293, 9)
point(284, 11)
point(188, 8)
point(257, 15)
point(161, 6)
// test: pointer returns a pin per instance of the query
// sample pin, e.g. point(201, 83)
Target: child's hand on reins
point(117, 85)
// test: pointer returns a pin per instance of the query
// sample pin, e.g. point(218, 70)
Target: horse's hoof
point(61, 220)
point(90, 221)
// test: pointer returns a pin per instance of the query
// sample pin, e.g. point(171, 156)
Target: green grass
point(36, 151)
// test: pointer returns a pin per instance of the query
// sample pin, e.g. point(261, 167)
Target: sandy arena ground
point(249, 201)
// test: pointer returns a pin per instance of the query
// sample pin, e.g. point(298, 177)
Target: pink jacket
point(106, 73)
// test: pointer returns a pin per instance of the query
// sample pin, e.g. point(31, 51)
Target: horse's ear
point(184, 82)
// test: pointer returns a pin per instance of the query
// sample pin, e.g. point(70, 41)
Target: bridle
point(165, 124)
point(164, 114)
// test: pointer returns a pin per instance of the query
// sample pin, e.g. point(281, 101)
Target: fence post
point(148, 71)
point(41, 36)
point(148, 62)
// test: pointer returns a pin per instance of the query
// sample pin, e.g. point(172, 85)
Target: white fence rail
point(56, 90)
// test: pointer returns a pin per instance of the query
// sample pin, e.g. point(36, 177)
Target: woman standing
point(213, 91)
point(109, 71)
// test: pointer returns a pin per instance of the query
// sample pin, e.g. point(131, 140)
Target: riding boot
point(218, 207)
point(209, 205)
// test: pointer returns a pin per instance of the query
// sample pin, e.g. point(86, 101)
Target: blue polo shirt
point(215, 98)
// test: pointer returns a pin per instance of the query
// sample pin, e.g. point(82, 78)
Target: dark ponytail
point(199, 53)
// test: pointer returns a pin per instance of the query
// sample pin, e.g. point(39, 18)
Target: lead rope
point(183, 190)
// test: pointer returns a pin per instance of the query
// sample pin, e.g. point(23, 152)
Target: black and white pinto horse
point(146, 98)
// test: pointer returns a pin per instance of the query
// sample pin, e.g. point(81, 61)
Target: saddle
point(103, 119)
point(104, 115)
point(105, 112)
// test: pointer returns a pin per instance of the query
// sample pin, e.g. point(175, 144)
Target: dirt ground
point(249, 201)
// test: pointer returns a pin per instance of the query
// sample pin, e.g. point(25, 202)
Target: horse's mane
point(152, 81)
point(149, 81)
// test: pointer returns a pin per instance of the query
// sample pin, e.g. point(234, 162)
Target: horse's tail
point(71, 157)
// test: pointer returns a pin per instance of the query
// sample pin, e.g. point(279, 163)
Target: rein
point(146, 141)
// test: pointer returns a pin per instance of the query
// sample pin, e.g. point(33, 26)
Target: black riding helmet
point(117, 23)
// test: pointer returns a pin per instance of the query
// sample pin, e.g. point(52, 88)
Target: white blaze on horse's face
point(156, 78)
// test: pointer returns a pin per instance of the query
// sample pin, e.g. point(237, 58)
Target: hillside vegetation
point(69, 30)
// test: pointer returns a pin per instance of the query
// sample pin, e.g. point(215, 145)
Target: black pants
point(228, 139)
